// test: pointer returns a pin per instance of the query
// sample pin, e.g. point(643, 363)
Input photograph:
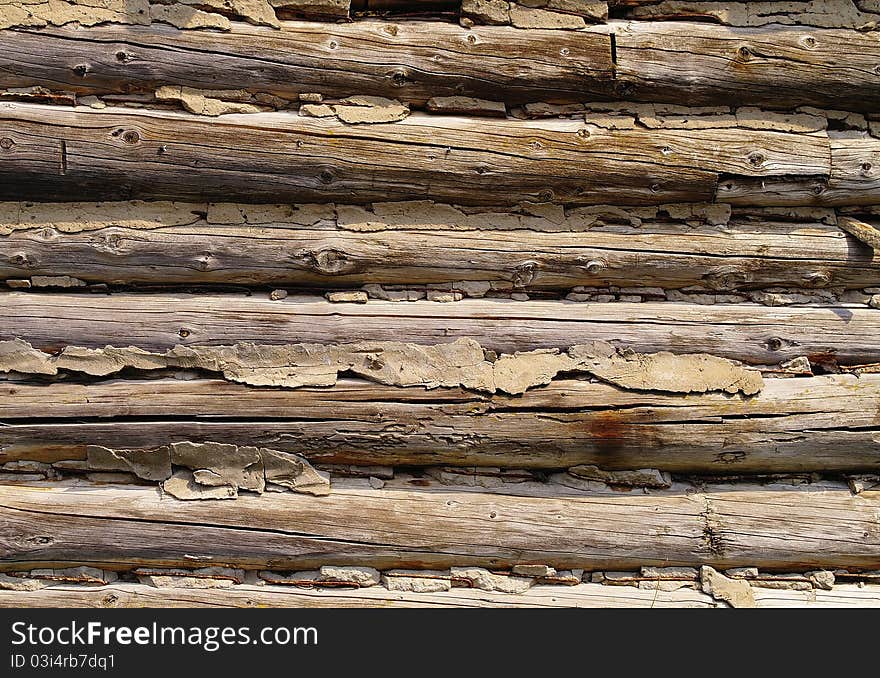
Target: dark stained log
point(750, 333)
point(818, 424)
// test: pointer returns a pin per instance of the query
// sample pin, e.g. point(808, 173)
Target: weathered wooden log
point(583, 595)
point(750, 333)
point(409, 61)
point(423, 525)
point(194, 243)
point(772, 67)
point(282, 157)
point(122, 595)
point(818, 424)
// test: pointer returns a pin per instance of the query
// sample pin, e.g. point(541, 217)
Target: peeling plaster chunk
point(370, 109)
point(8, 583)
point(77, 575)
point(353, 297)
point(316, 111)
point(690, 373)
point(316, 9)
point(147, 464)
point(219, 464)
point(19, 356)
point(525, 17)
point(645, 477)
point(258, 12)
point(821, 579)
point(492, 12)
point(758, 119)
point(415, 583)
point(736, 592)
point(195, 102)
point(184, 582)
point(182, 485)
point(866, 233)
point(480, 578)
point(459, 363)
point(188, 17)
point(534, 570)
point(294, 473)
point(75, 217)
point(594, 11)
point(356, 576)
point(56, 281)
point(467, 106)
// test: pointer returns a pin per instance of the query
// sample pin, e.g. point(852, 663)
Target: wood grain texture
point(773, 67)
point(750, 333)
point(581, 596)
point(282, 157)
point(746, 254)
point(818, 424)
point(423, 525)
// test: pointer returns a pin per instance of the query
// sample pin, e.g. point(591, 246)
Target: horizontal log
point(583, 595)
point(119, 595)
point(818, 424)
point(401, 525)
point(773, 67)
point(779, 67)
point(409, 61)
point(63, 154)
point(194, 243)
point(750, 333)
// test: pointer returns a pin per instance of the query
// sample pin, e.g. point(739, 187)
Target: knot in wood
point(130, 137)
point(81, 70)
point(6, 143)
point(595, 266)
point(756, 159)
point(20, 259)
point(399, 77)
point(808, 41)
point(390, 29)
point(865, 168)
point(774, 343)
point(817, 279)
point(743, 53)
point(325, 177)
point(725, 278)
point(524, 274)
point(124, 57)
point(329, 261)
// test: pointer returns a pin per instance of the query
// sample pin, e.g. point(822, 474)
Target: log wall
point(463, 303)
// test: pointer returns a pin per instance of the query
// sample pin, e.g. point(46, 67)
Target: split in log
point(420, 525)
point(282, 157)
point(755, 335)
point(817, 424)
point(537, 247)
